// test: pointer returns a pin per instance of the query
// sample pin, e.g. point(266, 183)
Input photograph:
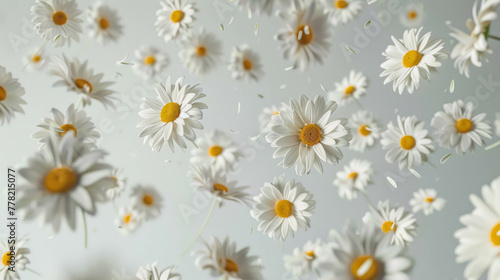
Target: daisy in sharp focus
point(200, 51)
point(151, 272)
point(305, 135)
point(11, 93)
point(174, 19)
point(245, 64)
point(304, 261)
point(283, 208)
point(129, 219)
point(104, 23)
point(427, 201)
point(352, 87)
point(217, 148)
point(343, 11)
point(173, 115)
point(149, 61)
point(17, 258)
point(411, 59)
point(57, 21)
point(413, 15)
point(366, 130)
point(408, 143)
point(265, 118)
point(354, 178)
point(306, 35)
point(460, 128)
point(36, 60)
point(147, 201)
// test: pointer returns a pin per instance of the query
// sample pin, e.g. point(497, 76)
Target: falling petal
point(167, 160)
point(368, 23)
point(322, 87)
point(392, 182)
point(256, 30)
point(363, 269)
point(253, 139)
point(492, 146)
point(221, 27)
point(260, 95)
point(231, 20)
point(350, 49)
point(57, 37)
point(239, 107)
point(283, 86)
point(452, 86)
point(234, 131)
point(415, 173)
point(249, 14)
point(289, 68)
point(448, 22)
point(445, 158)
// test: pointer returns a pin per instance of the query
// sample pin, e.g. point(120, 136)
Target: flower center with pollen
point(247, 64)
point(36, 58)
point(363, 130)
point(310, 134)
point(60, 180)
point(349, 90)
point(67, 127)
point(304, 34)
point(495, 235)
point(429, 199)
point(170, 112)
point(412, 14)
point(148, 200)
point(6, 258)
point(220, 187)
point(310, 255)
point(201, 51)
point(127, 218)
point(353, 176)
point(3, 93)
point(148, 60)
point(103, 23)
point(81, 83)
point(276, 113)
point(411, 58)
point(215, 150)
point(284, 208)
point(231, 266)
point(59, 18)
point(369, 273)
point(388, 226)
point(407, 142)
point(463, 125)
point(176, 16)
point(341, 4)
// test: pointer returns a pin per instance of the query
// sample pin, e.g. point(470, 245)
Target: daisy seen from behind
point(217, 148)
point(11, 93)
point(305, 261)
point(366, 130)
point(150, 61)
point(343, 11)
point(147, 201)
point(350, 88)
point(174, 19)
point(354, 178)
point(151, 272)
point(245, 64)
point(427, 201)
point(265, 7)
point(14, 258)
point(104, 23)
point(201, 51)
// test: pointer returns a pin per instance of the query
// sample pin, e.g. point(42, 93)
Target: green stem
point(202, 227)
point(84, 227)
point(34, 272)
point(494, 37)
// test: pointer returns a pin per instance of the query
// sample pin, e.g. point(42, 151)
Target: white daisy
point(497, 125)
point(460, 128)
point(352, 87)
point(427, 201)
point(151, 272)
point(265, 7)
point(407, 143)
point(149, 61)
point(11, 93)
point(200, 51)
point(410, 59)
point(174, 19)
point(306, 35)
point(13, 255)
point(398, 225)
point(305, 134)
point(413, 15)
point(245, 64)
point(343, 11)
point(217, 149)
point(36, 60)
point(104, 23)
point(128, 220)
point(304, 261)
point(282, 208)
point(57, 21)
point(265, 118)
point(354, 178)
point(119, 183)
point(173, 115)
point(368, 129)
point(223, 260)
point(147, 200)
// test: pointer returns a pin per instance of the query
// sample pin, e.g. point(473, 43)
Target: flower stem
point(359, 104)
point(494, 37)
point(432, 164)
point(84, 227)
point(202, 227)
point(367, 198)
point(34, 272)
point(492, 146)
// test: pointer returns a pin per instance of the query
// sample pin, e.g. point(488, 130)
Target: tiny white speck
point(167, 161)
point(289, 68)
point(249, 14)
point(448, 22)
point(392, 182)
point(445, 158)
point(231, 20)
point(234, 131)
point(239, 108)
point(363, 269)
point(299, 36)
point(283, 86)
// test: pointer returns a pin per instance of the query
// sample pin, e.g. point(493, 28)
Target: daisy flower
point(479, 240)
point(57, 183)
point(223, 260)
point(354, 178)
point(305, 134)
point(352, 87)
point(368, 129)
point(174, 19)
point(265, 118)
point(173, 115)
point(304, 261)
point(265, 7)
point(147, 201)
point(119, 183)
point(104, 23)
point(413, 15)
point(306, 35)
point(151, 272)
point(407, 143)
point(343, 11)
point(129, 219)
point(410, 59)
point(200, 51)
point(497, 125)
point(398, 225)
point(149, 61)
point(245, 64)
point(282, 208)
point(11, 93)
point(36, 60)
point(57, 21)
point(76, 77)
point(217, 149)
point(18, 257)
point(460, 128)
point(427, 201)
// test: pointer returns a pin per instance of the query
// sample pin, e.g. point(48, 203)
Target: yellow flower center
point(103, 23)
point(148, 200)
point(6, 259)
point(215, 150)
point(247, 64)
point(127, 218)
point(201, 51)
point(149, 60)
point(353, 176)
point(495, 235)
point(363, 130)
point(304, 34)
point(81, 83)
point(412, 14)
point(67, 127)
point(429, 199)
point(310, 134)
point(36, 58)
point(349, 90)
point(284, 208)
point(60, 180)
point(59, 18)
point(407, 142)
point(310, 255)
point(388, 226)
point(368, 274)
point(463, 125)
point(231, 266)
point(220, 187)
point(176, 16)
point(3, 93)
point(341, 4)
point(170, 112)
point(411, 58)
point(276, 113)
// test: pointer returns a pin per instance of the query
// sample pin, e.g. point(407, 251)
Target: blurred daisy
point(413, 15)
point(352, 87)
point(149, 61)
point(147, 201)
point(36, 60)
point(14, 254)
point(306, 35)
point(265, 7)
point(11, 93)
point(398, 225)
point(151, 272)
point(174, 19)
point(76, 77)
point(282, 208)
point(427, 201)
point(479, 240)
point(129, 219)
point(265, 118)
point(223, 260)
point(217, 149)
point(245, 64)
point(410, 59)
point(57, 21)
point(200, 52)
point(173, 115)
point(305, 134)
point(497, 125)
point(304, 261)
point(343, 11)
point(354, 178)
point(119, 183)
point(460, 128)
point(368, 129)
point(104, 23)
point(407, 143)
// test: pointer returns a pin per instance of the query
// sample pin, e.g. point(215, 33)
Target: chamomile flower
point(149, 61)
point(16, 257)
point(265, 118)
point(200, 52)
point(354, 178)
point(172, 116)
point(305, 134)
point(304, 261)
point(398, 225)
point(343, 11)
point(11, 93)
point(147, 201)
point(427, 201)
point(479, 240)
point(129, 219)
point(350, 88)
point(497, 125)
point(411, 59)
point(460, 128)
point(306, 35)
point(223, 260)
point(407, 143)
point(174, 19)
point(151, 272)
point(76, 77)
point(413, 15)
point(119, 183)
point(368, 130)
point(104, 23)
point(265, 7)
point(217, 149)
point(283, 208)
point(36, 60)
point(245, 64)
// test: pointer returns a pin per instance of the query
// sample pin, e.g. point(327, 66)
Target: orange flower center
point(81, 83)
point(3, 93)
point(310, 134)
point(60, 180)
point(247, 64)
point(388, 226)
point(220, 187)
point(103, 23)
point(67, 127)
point(170, 112)
point(407, 142)
point(201, 51)
point(215, 150)
point(304, 34)
point(59, 18)
point(341, 4)
point(363, 130)
point(176, 16)
point(411, 58)
point(148, 60)
point(463, 125)
point(368, 273)
point(284, 208)
point(148, 200)
point(495, 235)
